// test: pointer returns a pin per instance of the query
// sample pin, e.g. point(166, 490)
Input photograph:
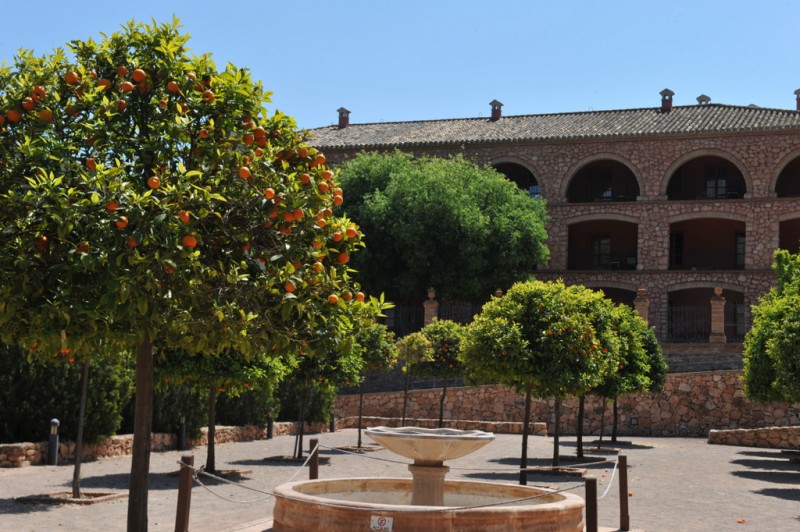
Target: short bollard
point(313, 464)
point(591, 504)
point(184, 494)
point(52, 443)
point(624, 516)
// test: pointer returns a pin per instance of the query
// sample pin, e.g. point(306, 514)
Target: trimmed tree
point(772, 346)
point(445, 340)
point(543, 339)
point(379, 353)
point(448, 223)
point(148, 198)
point(413, 349)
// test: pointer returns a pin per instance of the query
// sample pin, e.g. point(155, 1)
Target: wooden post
point(184, 494)
point(313, 465)
point(624, 517)
point(591, 504)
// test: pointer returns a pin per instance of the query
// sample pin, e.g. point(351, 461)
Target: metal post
point(184, 494)
point(313, 465)
point(270, 423)
point(182, 435)
point(591, 504)
point(52, 443)
point(624, 516)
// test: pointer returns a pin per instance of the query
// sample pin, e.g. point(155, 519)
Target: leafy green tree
point(445, 340)
point(379, 353)
point(772, 346)
point(544, 339)
point(641, 367)
point(147, 198)
point(213, 376)
point(447, 223)
point(413, 349)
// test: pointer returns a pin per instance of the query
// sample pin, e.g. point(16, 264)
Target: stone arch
point(611, 284)
point(705, 152)
point(689, 285)
point(603, 216)
point(576, 167)
point(509, 159)
point(781, 166)
point(710, 214)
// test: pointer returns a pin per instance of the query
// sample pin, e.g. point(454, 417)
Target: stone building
point(676, 210)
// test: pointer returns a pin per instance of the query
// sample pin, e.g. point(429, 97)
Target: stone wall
point(25, 454)
point(691, 404)
point(770, 437)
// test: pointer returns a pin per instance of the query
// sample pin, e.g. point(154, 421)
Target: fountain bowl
point(429, 445)
point(356, 504)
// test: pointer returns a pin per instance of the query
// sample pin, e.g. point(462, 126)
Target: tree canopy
point(445, 223)
point(772, 346)
point(149, 199)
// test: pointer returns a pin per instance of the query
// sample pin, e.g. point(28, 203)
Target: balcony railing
point(689, 324)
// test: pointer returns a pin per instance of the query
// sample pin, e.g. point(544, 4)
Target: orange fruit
point(71, 78)
point(122, 71)
point(139, 75)
point(104, 83)
point(323, 187)
point(203, 133)
point(132, 242)
point(305, 179)
point(248, 138)
point(2, 120)
point(327, 175)
point(169, 267)
point(13, 115)
point(302, 153)
point(38, 93)
point(317, 267)
point(321, 222)
point(338, 200)
point(208, 96)
point(244, 172)
point(269, 193)
point(246, 246)
point(83, 247)
point(121, 105)
point(259, 152)
point(173, 87)
point(337, 236)
point(154, 182)
point(41, 241)
point(91, 164)
point(288, 216)
point(184, 216)
point(347, 295)
point(351, 232)
point(122, 222)
point(28, 103)
point(191, 75)
point(360, 297)
point(319, 159)
point(298, 213)
point(189, 241)
point(289, 286)
point(126, 86)
point(46, 115)
point(333, 299)
point(343, 257)
point(112, 205)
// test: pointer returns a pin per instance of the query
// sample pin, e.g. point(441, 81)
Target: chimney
point(797, 93)
point(703, 99)
point(496, 112)
point(666, 100)
point(344, 117)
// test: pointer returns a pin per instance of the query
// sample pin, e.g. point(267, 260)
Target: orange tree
point(445, 339)
point(413, 349)
point(544, 339)
point(147, 198)
point(379, 353)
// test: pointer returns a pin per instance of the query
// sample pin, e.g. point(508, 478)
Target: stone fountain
point(427, 501)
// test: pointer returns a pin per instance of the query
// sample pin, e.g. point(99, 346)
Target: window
point(600, 251)
point(716, 181)
point(740, 251)
point(676, 249)
point(534, 191)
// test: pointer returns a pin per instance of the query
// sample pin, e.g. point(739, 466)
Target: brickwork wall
point(771, 437)
point(691, 404)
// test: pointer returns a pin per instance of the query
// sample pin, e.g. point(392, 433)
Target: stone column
point(431, 307)
point(641, 303)
point(717, 318)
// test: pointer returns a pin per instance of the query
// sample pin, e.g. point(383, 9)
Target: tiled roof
point(681, 120)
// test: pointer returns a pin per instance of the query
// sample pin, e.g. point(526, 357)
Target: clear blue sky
point(415, 60)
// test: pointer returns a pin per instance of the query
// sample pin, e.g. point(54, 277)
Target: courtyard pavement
point(675, 484)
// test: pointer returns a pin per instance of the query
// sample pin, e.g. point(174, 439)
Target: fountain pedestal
point(427, 484)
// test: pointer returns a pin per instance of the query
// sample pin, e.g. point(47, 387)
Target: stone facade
point(691, 404)
point(770, 437)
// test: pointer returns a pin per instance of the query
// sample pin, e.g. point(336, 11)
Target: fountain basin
point(356, 504)
point(430, 446)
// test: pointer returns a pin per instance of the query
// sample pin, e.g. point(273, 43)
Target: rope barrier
point(610, 480)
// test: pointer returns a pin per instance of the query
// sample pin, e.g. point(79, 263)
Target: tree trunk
point(298, 442)
point(602, 421)
point(581, 414)
point(76, 472)
point(142, 423)
point(557, 434)
point(523, 461)
point(360, 411)
point(211, 462)
point(614, 425)
point(405, 394)
point(441, 402)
